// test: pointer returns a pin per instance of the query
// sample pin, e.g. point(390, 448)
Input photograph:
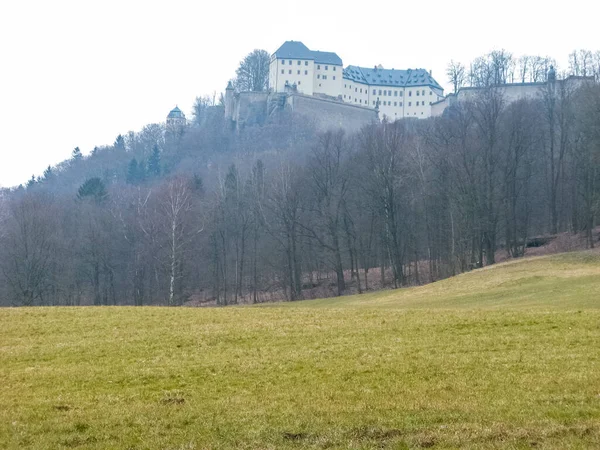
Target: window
point(384, 92)
point(417, 93)
point(319, 84)
point(344, 95)
point(423, 92)
point(306, 72)
point(400, 104)
point(290, 72)
point(430, 93)
point(430, 103)
point(282, 71)
point(390, 93)
point(299, 63)
point(345, 86)
point(410, 93)
point(319, 66)
point(283, 62)
point(395, 93)
point(361, 90)
point(298, 72)
point(324, 77)
point(395, 103)
point(379, 91)
point(355, 100)
point(355, 89)
point(299, 83)
point(373, 101)
point(318, 76)
point(360, 101)
point(334, 68)
point(401, 93)
point(374, 91)
point(326, 67)
point(306, 63)
point(409, 103)
point(334, 77)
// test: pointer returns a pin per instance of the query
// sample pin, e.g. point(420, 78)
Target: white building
point(396, 93)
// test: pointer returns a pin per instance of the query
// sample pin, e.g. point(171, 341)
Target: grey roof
point(175, 114)
point(327, 58)
point(378, 76)
point(297, 50)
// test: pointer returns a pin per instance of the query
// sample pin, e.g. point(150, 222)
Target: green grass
point(505, 357)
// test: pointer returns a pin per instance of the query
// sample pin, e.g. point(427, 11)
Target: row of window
point(290, 72)
point(324, 77)
point(389, 103)
point(292, 62)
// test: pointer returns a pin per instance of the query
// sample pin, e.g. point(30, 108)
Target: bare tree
point(28, 247)
point(456, 74)
point(253, 72)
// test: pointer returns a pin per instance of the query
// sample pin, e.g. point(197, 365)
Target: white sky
point(78, 73)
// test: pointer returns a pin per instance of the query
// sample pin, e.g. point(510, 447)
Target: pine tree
point(154, 162)
point(120, 142)
point(31, 181)
point(76, 154)
point(132, 172)
point(48, 174)
point(93, 189)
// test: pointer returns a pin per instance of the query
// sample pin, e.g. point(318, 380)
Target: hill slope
point(569, 280)
point(505, 357)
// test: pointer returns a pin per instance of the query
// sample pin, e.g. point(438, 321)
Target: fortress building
point(395, 93)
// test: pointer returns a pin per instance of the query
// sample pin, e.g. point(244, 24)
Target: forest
point(209, 215)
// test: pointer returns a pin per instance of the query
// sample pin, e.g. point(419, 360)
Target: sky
point(78, 73)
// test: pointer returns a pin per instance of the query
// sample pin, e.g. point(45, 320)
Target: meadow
point(502, 357)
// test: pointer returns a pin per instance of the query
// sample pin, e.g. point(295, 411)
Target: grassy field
point(505, 357)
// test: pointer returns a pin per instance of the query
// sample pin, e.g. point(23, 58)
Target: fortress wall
point(329, 114)
point(250, 108)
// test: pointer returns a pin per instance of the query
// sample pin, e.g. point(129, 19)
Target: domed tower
point(176, 119)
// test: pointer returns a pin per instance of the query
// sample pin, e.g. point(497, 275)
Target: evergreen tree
point(154, 162)
point(76, 154)
point(48, 174)
point(120, 142)
point(93, 189)
point(31, 181)
point(132, 172)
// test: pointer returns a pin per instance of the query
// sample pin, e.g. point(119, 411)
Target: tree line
point(280, 212)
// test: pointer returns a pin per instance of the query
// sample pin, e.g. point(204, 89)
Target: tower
point(176, 119)
point(229, 94)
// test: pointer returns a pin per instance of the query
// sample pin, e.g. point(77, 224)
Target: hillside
point(505, 357)
point(568, 280)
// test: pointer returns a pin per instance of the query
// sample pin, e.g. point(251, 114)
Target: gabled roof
point(297, 50)
point(294, 50)
point(327, 58)
point(378, 76)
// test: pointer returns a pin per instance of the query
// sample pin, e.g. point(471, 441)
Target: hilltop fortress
point(315, 84)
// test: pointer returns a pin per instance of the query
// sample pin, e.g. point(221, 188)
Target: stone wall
point(328, 114)
point(256, 108)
